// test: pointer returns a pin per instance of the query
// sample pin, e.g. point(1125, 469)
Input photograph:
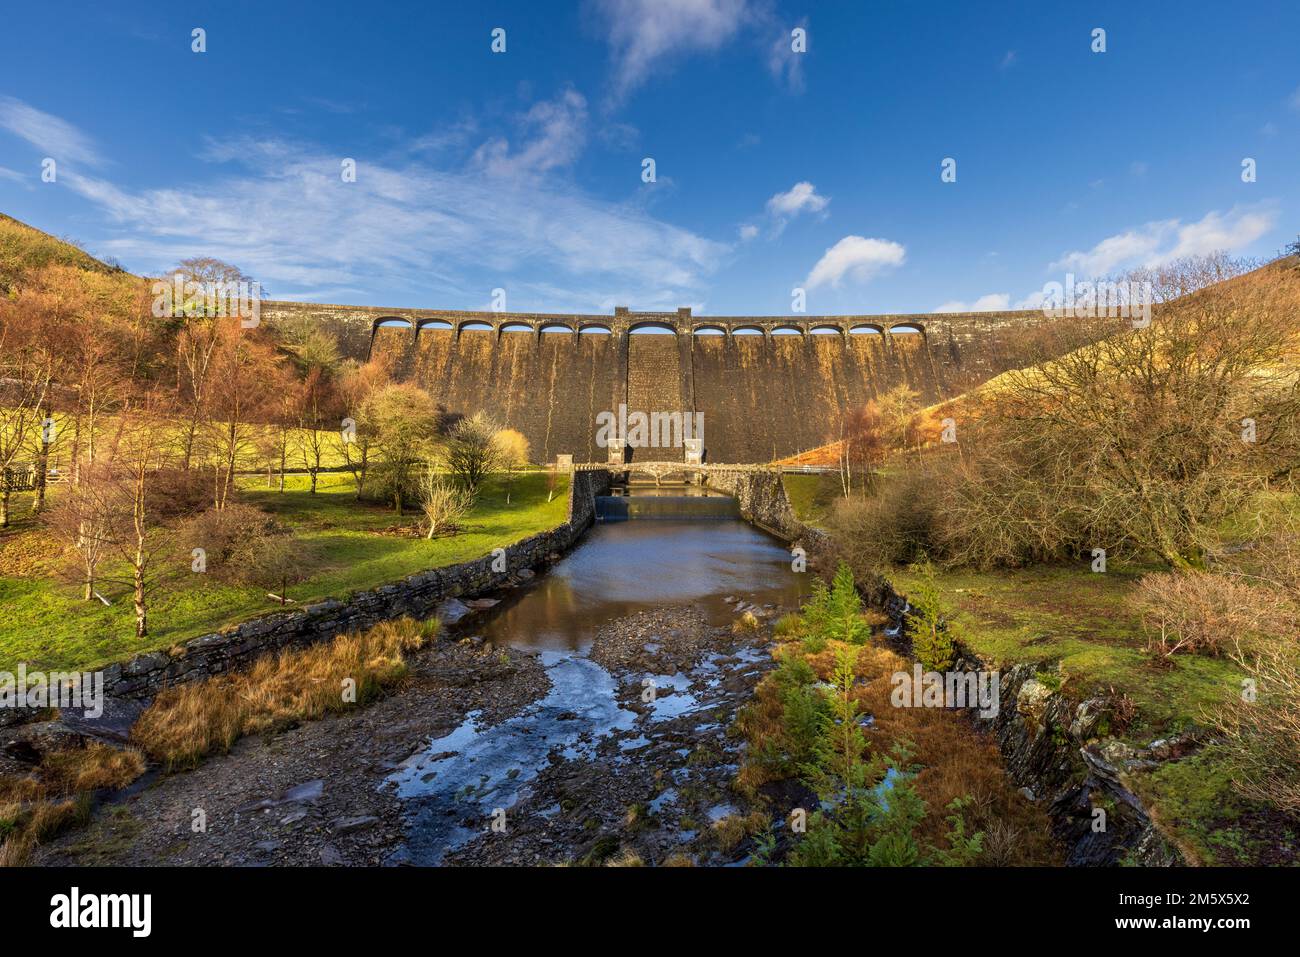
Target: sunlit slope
point(1280, 279)
point(25, 249)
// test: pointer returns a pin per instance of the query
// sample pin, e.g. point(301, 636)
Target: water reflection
point(623, 568)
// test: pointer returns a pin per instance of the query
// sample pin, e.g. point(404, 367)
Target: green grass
point(44, 622)
point(248, 459)
point(812, 496)
point(1082, 620)
point(1197, 804)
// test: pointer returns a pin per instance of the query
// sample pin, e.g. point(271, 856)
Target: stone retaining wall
point(418, 595)
point(763, 502)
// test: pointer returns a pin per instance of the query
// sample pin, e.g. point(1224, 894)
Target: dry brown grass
point(729, 831)
point(186, 723)
point(30, 824)
point(626, 858)
point(954, 760)
point(678, 859)
point(58, 795)
point(15, 851)
point(91, 768)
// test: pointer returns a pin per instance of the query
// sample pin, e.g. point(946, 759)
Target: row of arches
point(595, 328)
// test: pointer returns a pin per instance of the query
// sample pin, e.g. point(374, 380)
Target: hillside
point(929, 421)
point(24, 249)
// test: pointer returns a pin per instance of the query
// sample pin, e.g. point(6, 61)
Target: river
point(621, 571)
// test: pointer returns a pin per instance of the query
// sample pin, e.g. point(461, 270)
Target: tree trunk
point(141, 615)
point(42, 465)
point(4, 503)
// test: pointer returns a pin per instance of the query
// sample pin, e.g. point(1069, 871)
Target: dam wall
point(768, 387)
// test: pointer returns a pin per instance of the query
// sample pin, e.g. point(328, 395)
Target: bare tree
point(316, 407)
point(197, 342)
point(1138, 439)
point(83, 517)
point(358, 385)
point(405, 428)
point(472, 452)
point(135, 531)
point(246, 376)
point(27, 367)
point(444, 503)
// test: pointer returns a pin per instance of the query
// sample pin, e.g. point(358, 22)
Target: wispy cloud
point(54, 137)
point(553, 133)
point(419, 234)
point(406, 231)
point(643, 34)
point(1155, 243)
point(649, 35)
point(855, 258)
point(785, 65)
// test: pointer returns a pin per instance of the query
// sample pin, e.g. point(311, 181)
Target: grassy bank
point(812, 496)
point(1081, 621)
point(1079, 628)
point(346, 547)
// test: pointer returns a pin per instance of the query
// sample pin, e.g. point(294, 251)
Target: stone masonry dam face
point(768, 387)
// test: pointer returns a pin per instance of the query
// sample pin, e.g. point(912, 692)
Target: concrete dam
point(767, 387)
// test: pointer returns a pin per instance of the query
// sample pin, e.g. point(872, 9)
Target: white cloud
point(993, 302)
point(856, 257)
point(55, 137)
point(558, 130)
point(645, 33)
point(1295, 99)
point(1155, 243)
point(799, 198)
point(407, 233)
point(1008, 61)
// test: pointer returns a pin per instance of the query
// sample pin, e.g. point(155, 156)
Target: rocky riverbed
point(486, 756)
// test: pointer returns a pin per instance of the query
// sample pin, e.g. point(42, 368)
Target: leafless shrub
point(228, 536)
point(896, 524)
point(445, 505)
point(1203, 613)
point(1263, 729)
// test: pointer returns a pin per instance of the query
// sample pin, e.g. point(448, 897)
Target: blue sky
point(774, 170)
